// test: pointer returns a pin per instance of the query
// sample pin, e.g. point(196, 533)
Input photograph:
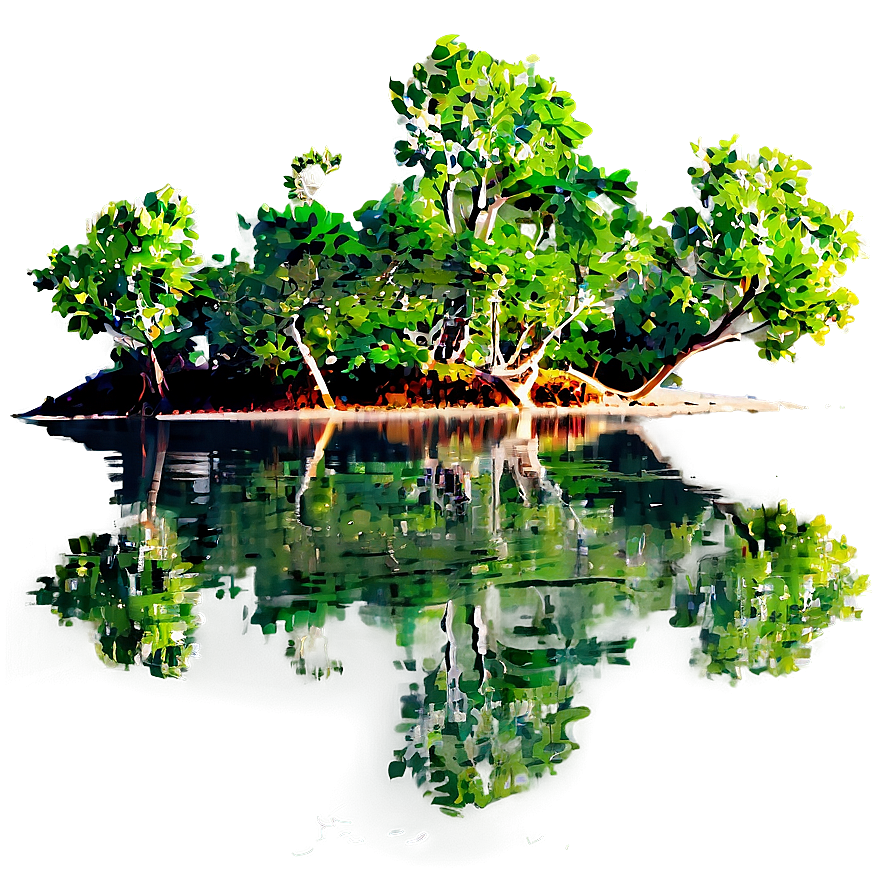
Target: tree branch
point(669, 258)
point(666, 369)
point(157, 371)
point(715, 276)
point(519, 345)
point(735, 312)
point(390, 270)
point(120, 339)
point(654, 381)
point(528, 370)
point(308, 358)
point(448, 203)
point(499, 381)
point(464, 342)
point(485, 220)
point(480, 198)
point(535, 357)
point(570, 318)
point(755, 329)
point(494, 301)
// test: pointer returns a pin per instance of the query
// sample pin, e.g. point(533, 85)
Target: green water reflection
point(506, 554)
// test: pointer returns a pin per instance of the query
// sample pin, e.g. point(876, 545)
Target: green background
point(694, 785)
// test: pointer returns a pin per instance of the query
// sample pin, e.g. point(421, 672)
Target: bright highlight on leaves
point(507, 253)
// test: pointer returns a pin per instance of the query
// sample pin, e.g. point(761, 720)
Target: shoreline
point(662, 402)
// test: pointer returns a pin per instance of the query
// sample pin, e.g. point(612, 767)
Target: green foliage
point(507, 251)
point(601, 542)
point(137, 590)
point(134, 275)
point(782, 583)
point(468, 109)
point(301, 256)
point(521, 215)
point(758, 225)
point(498, 562)
point(472, 745)
point(308, 172)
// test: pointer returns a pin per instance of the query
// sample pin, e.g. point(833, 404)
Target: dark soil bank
point(123, 392)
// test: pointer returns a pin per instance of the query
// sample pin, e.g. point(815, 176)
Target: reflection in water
point(505, 553)
point(139, 590)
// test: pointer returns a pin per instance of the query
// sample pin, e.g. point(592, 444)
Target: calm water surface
point(429, 600)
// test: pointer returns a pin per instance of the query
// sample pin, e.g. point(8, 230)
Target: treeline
point(507, 258)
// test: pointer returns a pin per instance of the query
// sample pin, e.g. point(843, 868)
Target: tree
point(503, 183)
point(132, 279)
point(508, 255)
point(299, 254)
point(759, 258)
point(513, 205)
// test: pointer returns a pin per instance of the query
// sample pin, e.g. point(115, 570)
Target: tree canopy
point(507, 254)
point(133, 278)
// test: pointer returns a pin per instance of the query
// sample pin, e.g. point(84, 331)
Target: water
point(120, 781)
point(419, 638)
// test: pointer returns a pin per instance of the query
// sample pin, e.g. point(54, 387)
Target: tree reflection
point(780, 585)
point(506, 555)
point(138, 589)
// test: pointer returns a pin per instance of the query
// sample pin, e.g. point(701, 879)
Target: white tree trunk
point(308, 358)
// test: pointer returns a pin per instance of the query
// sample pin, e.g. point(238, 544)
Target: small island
point(506, 270)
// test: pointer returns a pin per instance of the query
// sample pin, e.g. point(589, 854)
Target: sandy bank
point(660, 403)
